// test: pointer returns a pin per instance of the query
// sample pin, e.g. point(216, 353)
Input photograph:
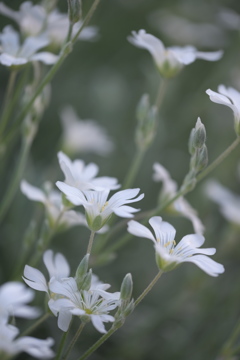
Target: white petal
point(98, 324)
point(210, 56)
point(45, 57)
point(164, 232)
point(208, 265)
point(32, 192)
point(137, 229)
point(73, 194)
point(35, 279)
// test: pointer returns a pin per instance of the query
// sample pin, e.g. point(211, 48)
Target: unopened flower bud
point(74, 10)
point(143, 108)
point(87, 281)
point(82, 268)
point(129, 308)
point(199, 134)
point(191, 147)
point(126, 288)
point(201, 158)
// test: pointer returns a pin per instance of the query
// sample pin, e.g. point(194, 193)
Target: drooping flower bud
point(74, 10)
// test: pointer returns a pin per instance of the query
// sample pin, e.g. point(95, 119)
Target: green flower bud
point(199, 135)
point(74, 10)
point(126, 288)
point(86, 284)
point(191, 147)
point(82, 269)
point(129, 308)
point(201, 158)
point(143, 108)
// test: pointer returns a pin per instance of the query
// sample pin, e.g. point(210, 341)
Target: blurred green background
point(188, 315)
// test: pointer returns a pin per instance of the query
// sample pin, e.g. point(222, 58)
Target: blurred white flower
point(229, 97)
point(34, 20)
point(98, 208)
point(228, 201)
point(13, 53)
point(229, 18)
point(10, 346)
point(181, 29)
point(83, 177)
point(52, 201)
point(13, 299)
point(170, 60)
point(168, 254)
point(180, 206)
point(83, 135)
point(84, 303)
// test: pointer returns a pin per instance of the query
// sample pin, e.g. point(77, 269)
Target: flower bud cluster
point(199, 154)
point(127, 303)
point(147, 120)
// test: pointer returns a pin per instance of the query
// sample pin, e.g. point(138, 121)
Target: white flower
point(35, 347)
point(34, 20)
point(83, 177)
point(180, 206)
point(13, 299)
point(98, 208)
point(168, 254)
point(12, 53)
point(170, 60)
point(53, 204)
point(83, 135)
point(92, 304)
point(57, 267)
point(228, 201)
point(229, 97)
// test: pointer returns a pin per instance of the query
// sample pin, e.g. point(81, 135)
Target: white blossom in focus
point(11, 346)
point(34, 20)
point(228, 201)
point(83, 135)
point(83, 177)
point(170, 60)
point(92, 304)
point(168, 254)
point(229, 97)
point(98, 208)
point(180, 206)
point(13, 299)
point(13, 53)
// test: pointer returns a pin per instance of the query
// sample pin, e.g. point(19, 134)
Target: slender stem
point(16, 177)
point(70, 30)
point(98, 343)
point(78, 333)
point(49, 76)
point(35, 325)
point(149, 288)
point(227, 349)
point(7, 101)
point(137, 160)
point(161, 93)
point(216, 162)
point(90, 242)
point(61, 346)
point(86, 20)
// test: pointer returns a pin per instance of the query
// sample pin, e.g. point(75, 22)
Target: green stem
point(71, 345)
point(227, 349)
point(90, 242)
point(149, 288)
point(98, 343)
point(35, 325)
point(161, 93)
point(49, 76)
point(61, 346)
point(16, 177)
point(216, 162)
point(7, 101)
point(137, 160)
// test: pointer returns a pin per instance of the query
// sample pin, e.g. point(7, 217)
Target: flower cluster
point(83, 295)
